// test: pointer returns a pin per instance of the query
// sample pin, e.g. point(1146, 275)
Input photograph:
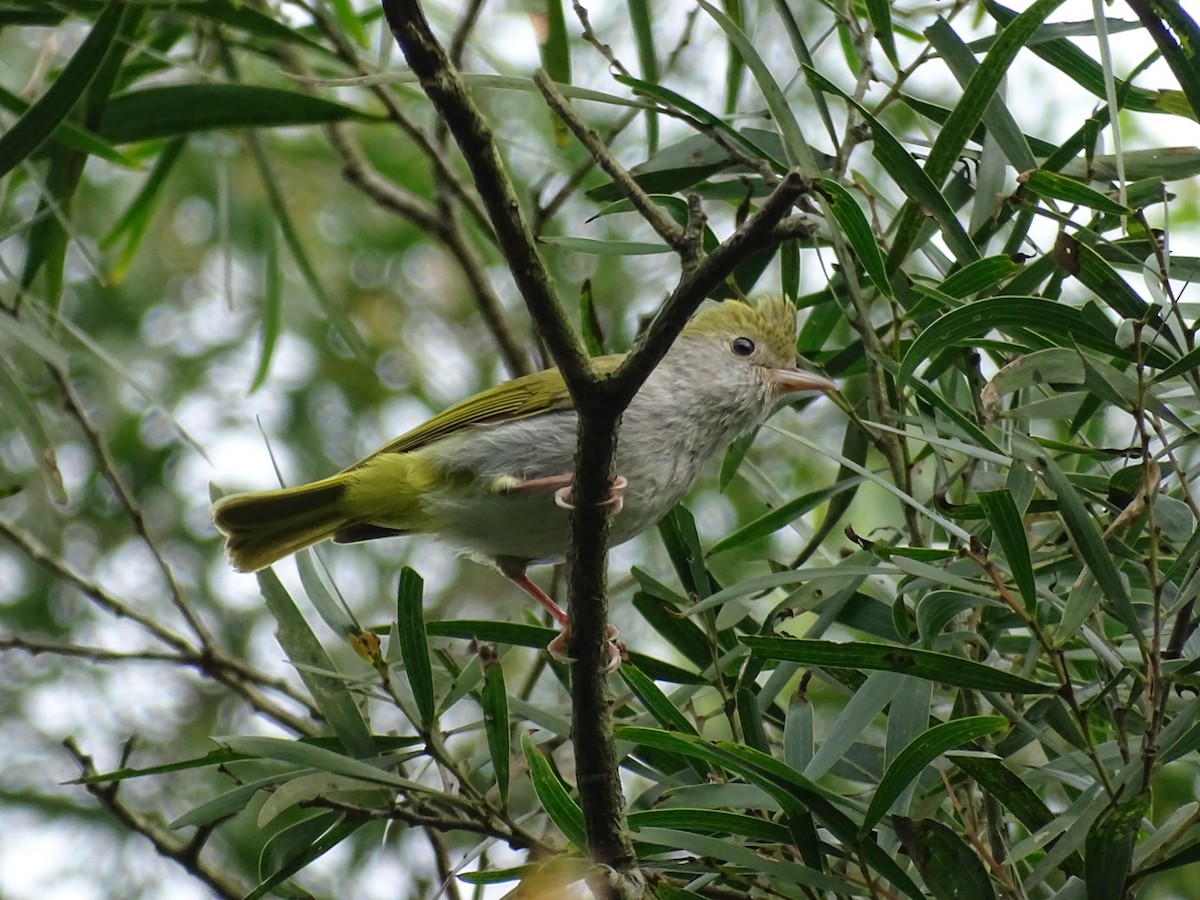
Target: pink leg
point(514, 571)
point(616, 495)
point(532, 484)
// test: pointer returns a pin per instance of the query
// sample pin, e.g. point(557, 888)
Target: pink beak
point(787, 381)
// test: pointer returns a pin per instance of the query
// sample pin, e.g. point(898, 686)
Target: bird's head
point(746, 344)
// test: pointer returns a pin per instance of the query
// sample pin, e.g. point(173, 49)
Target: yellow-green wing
point(522, 398)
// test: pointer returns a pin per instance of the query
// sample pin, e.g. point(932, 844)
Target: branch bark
point(599, 402)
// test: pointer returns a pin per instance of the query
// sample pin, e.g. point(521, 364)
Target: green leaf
point(913, 759)
point(745, 858)
point(556, 48)
point(951, 869)
point(1005, 519)
point(552, 794)
point(596, 247)
point(1001, 126)
point(1054, 367)
point(880, 13)
point(979, 276)
point(666, 713)
point(1109, 847)
point(134, 222)
point(1053, 186)
point(312, 755)
point(293, 848)
point(1101, 279)
point(1007, 314)
point(414, 645)
point(350, 22)
point(909, 177)
point(40, 120)
point(937, 608)
point(589, 322)
point(1089, 543)
point(767, 524)
point(732, 461)
point(338, 319)
point(272, 314)
point(678, 532)
point(858, 232)
point(1164, 20)
point(799, 155)
point(643, 34)
point(710, 821)
point(853, 721)
point(951, 670)
point(172, 110)
point(1167, 163)
point(967, 113)
point(494, 699)
point(72, 136)
point(330, 608)
point(677, 630)
point(305, 652)
point(787, 786)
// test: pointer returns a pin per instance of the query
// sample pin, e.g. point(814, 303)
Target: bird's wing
point(522, 398)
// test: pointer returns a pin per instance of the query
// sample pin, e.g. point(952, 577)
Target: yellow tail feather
point(265, 526)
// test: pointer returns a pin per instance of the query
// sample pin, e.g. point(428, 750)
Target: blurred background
point(223, 296)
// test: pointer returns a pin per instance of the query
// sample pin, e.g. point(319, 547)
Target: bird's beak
point(789, 381)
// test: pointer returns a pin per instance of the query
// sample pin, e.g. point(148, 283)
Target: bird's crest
point(771, 321)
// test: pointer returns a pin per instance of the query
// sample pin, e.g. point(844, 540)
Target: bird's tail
point(264, 526)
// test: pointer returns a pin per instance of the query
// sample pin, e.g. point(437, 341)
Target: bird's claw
point(616, 495)
point(557, 648)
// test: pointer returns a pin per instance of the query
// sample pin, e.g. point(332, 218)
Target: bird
point(491, 476)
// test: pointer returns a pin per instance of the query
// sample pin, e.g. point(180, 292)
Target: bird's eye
point(742, 346)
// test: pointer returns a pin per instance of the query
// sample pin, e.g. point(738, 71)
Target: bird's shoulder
point(537, 394)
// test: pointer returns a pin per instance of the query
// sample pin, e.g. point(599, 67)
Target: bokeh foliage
point(940, 642)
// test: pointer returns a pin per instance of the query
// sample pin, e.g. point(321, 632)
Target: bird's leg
point(509, 484)
point(616, 495)
point(563, 483)
point(514, 571)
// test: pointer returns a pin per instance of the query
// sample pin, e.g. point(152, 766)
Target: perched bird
point(491, 476)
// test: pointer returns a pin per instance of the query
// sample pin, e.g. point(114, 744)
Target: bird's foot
point(616, 650)
point(616, 495)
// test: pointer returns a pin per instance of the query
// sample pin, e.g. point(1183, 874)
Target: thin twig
point(109, 470)
point(663, 225)
point(446, 228)
point(441, 83)
point(187, 853)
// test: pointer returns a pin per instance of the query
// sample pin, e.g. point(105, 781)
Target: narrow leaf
point(1005, 519)
point(494, 699)
point(1053, 186)
point(172, 110)
point(951, 670)
point(1108, 850)
point(951, 869)
point(38, 122)
point(558, 804)
point(1089, 542)
point(913, 759)
point(305, 652)
point(414, 645)
point(858, 232)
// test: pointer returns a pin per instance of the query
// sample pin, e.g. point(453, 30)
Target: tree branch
point(599, 403)
point(664, 225)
